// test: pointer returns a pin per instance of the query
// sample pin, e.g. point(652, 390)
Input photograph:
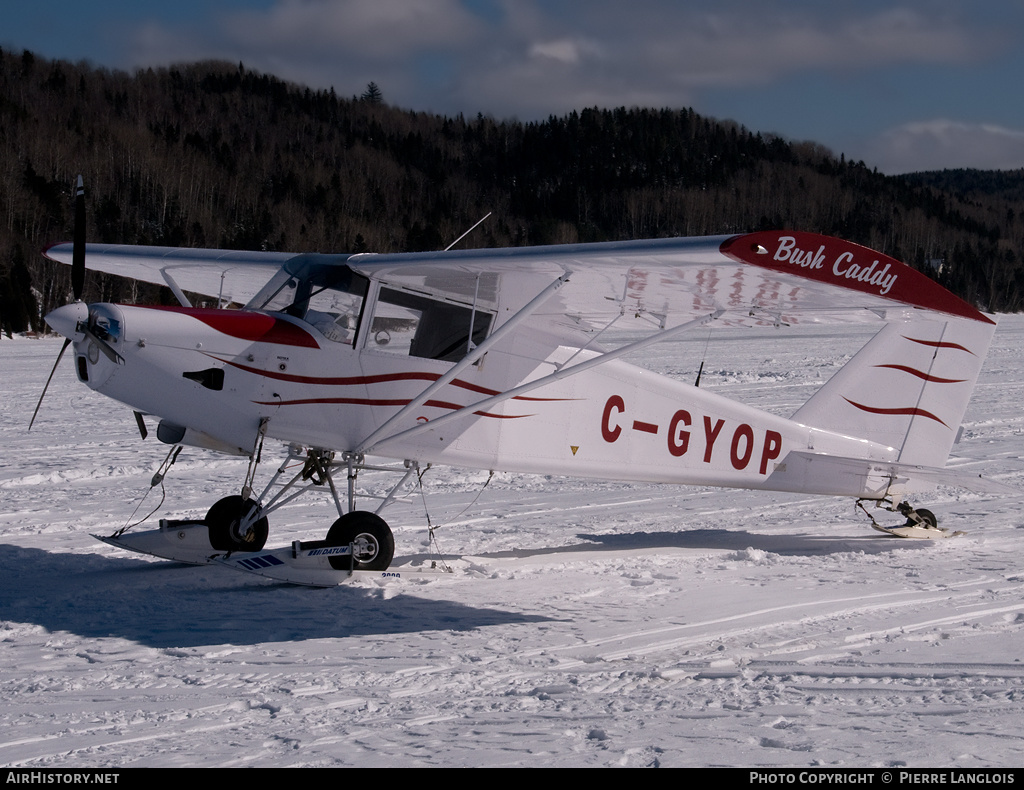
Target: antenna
point(485, 216)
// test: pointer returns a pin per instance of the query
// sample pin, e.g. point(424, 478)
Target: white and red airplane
point(494, 359)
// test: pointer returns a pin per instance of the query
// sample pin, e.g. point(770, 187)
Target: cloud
point(531, 58)
point(748, 43)
point(565, 50)
point(350, 28)
point(496, 51)
point(326, 43)
point(943, 144)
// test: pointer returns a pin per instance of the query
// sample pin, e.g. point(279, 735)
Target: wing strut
point(176, 289)
point(498, 335)
point(369, 444)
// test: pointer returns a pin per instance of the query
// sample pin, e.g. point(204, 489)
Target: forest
point(217, 155)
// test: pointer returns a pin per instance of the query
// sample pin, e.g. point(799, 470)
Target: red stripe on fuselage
point(383, 402)
point(246, 325)
point(382, 378)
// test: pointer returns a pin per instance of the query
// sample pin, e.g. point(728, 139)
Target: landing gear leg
point(370, 536)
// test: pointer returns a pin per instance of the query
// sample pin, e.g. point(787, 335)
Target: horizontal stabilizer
point(839, 476)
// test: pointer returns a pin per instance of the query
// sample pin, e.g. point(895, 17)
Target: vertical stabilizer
point(908, 388)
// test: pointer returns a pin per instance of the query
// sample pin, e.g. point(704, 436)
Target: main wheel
point(224, 521)
point(372, 542)
point(927, 518)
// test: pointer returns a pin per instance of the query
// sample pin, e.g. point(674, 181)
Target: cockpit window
point(328, 296)
point(416, 325)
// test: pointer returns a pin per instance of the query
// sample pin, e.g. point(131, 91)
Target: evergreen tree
point(372, 94)
point(17, 303)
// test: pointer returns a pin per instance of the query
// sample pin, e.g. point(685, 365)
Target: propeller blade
point(67, 342)
point(78, 247)
point(68, 317)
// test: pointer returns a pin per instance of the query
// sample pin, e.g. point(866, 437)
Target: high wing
point(225, 275)
point(757, 278)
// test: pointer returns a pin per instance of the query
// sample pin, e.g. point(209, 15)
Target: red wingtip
point(841, 263)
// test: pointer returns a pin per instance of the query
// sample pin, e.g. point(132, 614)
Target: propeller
point(63, 348)
point(78, 243)
point(74, 318)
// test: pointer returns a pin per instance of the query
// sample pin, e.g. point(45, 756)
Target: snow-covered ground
point(587, 623)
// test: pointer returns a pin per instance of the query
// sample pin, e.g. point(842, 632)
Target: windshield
point(329, 296)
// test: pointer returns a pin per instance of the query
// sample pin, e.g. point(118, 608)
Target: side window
point(412, 324)
point(393, 327)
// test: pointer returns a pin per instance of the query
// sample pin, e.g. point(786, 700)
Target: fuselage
point(212, 376)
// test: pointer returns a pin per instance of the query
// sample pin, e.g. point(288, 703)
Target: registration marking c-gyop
point(741, 447)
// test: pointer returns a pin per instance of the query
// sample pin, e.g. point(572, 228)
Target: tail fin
point(908, 388)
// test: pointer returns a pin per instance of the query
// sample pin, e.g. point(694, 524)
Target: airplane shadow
point(722, 540)
point(167, 604)
point(870, 542)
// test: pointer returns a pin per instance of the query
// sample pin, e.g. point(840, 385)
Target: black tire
point(374, 543)
point(927, 518)
point(223, 520)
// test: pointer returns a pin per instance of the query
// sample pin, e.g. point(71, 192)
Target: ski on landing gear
point(921, 524)
point(358, 543)
point(319, 563)
point(180, 541)
point(233, 524)
point(235, 528)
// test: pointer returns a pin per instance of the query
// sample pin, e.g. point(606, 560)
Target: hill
point(217, 155)
point(979, 184)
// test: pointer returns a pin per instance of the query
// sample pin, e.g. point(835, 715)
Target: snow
point(587, 623)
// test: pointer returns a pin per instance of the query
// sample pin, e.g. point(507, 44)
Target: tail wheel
point(927, 518)
point(224, 522)
point(373, 544)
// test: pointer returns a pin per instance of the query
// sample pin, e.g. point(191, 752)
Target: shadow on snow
point(166, 604)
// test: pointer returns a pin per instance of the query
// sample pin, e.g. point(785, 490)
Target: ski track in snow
point(587, 623)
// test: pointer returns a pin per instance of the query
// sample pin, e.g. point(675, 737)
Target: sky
point(904, 86)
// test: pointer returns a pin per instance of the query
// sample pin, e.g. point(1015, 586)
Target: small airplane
point(495, 359)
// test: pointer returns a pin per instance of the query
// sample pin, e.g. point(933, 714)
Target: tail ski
point(908, 388)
